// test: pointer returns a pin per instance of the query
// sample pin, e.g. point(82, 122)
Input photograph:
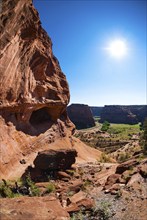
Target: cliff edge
point(34, 92)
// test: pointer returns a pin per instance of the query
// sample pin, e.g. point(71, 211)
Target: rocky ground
point(88, 191)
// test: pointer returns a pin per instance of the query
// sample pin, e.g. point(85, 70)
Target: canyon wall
point(81, 115)
point(124, 114)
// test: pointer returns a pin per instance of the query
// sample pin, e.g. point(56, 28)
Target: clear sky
point(82, 31)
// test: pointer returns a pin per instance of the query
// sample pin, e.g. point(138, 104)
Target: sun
point(117, 48)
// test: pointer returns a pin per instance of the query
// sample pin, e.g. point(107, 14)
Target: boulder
point(128, 165)
point(79, 200)
point(76, 185)
point(55, 160)
point(135, 178)
point(63, 175)
point(142, 168)
point(78, 197)
point(112, 179)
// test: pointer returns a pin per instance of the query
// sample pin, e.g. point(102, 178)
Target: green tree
point(105, 126)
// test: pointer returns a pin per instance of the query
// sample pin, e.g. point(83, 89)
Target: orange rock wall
point(34, 92)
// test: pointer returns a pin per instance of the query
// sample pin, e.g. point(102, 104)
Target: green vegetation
point(50, 188)
point(87, 183)
point(123, 156)
point(116, 137)
point(33, 189)
point(118, 194)
point(123, 131)
point(104, 158)
point(105, 126)
point(5, 190)
point(71, 172)
point(77, 216)
point(102, 210)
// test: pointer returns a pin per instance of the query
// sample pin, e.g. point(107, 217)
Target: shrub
point(78, 216)
point(105, 126)
point(118, 194)
point(123, 156)
point(71, 172)
point(87, 183)
point(5, 190)
point(103, 211)
point(33, 189)
point(50, 188)
point(104, 158)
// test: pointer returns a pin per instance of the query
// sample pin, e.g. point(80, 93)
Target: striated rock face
point(32, 86)
point(33, 90)
point(124, 114)
point(81, 115)
point(33, 94)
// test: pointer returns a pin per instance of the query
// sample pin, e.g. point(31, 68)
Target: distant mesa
point(81, 116)
point(131, 114)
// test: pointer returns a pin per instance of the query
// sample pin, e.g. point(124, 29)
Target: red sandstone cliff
point(33, 92)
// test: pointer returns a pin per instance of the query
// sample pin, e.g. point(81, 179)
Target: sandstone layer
point(124, 114)
point(81, 115)
point(34, 92)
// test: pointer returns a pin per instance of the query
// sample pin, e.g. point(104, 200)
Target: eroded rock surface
point(34, 92)
point(33, 87)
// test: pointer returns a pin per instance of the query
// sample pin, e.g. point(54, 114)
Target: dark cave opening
point(40, 116)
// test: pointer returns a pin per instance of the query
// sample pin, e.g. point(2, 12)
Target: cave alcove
point(40, 116)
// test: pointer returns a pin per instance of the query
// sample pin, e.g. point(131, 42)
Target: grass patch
point(123, 131)
point(50, 188)
point(104, 158)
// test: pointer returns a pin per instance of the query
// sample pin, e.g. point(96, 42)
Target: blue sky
point(80, 32)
